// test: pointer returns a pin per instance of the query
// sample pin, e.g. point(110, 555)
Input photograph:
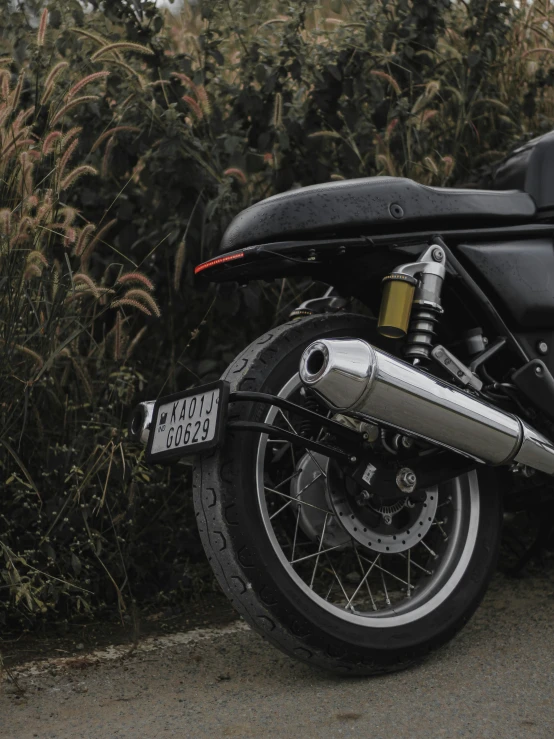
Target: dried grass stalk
point(69, 106)
point(51, 81)
point(87, 252)
point(132, 304)
point(122, 46)
point(196, 109)
point(179, 263)
point(106, 157)
point(42, 27)
point(135, 277)
point(65, 158)
point(85, 81)
point(80, 277)
point(388, 78)
point(111, 132)
point(143, 296)
point(49, 141)
point(74, 175)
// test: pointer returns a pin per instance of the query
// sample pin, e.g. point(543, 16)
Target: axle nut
point(406, 480)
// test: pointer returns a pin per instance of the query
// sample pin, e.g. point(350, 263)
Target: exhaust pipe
point(357, 379)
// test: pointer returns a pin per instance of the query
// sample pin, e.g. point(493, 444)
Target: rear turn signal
point(396, 305)
point(217, 260)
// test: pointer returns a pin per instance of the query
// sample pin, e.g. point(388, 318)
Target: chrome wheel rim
point(342, 575)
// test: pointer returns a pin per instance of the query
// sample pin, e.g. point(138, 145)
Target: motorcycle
point(351, 468)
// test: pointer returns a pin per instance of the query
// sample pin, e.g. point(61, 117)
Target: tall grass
point(66, 340)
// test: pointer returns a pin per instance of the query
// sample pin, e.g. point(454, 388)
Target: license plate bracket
point(188, 422)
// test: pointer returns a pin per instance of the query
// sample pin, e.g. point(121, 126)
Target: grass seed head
point(85, 81)
point(144, 297)
point(135, 277)
point(51, 80)
point(75, 174)
point(42, 27)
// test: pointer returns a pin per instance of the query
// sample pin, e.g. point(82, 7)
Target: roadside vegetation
point(129, 137)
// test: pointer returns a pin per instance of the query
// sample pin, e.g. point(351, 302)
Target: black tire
point(255, 579)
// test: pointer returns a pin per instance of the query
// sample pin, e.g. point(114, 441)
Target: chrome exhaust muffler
point(357, 379)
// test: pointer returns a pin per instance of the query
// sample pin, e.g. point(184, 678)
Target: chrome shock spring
point(421, 332)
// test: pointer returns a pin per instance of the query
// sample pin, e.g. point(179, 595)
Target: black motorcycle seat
point(372, 205)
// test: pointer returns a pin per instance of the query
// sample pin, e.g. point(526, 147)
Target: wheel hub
point(310, 486)
point(382, 525)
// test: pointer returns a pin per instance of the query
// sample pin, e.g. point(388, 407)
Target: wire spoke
point(336, 576)
point(388, 572)
point(284, 482)
point(431, 552)
point(315, 479)
point(315, 554)
point(443, 532)
point(366, 582)
point(322, 429)
point(319, 552)
point(385, 591)
point(295, 532)
point(314, 460)
point(297, 497)
point(282, 508)
point(364, 578)
point(279, 452)
point(413, 563)
point(297, 500)
point(287, 421)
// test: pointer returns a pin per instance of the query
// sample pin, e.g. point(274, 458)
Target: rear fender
point(283, 259)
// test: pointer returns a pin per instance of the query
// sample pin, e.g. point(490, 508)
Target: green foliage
point(186, 120)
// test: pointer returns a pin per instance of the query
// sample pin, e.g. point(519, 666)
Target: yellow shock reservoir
point(396, 305)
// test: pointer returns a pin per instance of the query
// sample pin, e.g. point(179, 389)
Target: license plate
point(188, 422)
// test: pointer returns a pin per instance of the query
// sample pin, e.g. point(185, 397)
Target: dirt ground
point(496, 679)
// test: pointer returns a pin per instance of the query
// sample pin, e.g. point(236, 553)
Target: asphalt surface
point(496, 679)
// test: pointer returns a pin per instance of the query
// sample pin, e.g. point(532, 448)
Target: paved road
point(496, 679)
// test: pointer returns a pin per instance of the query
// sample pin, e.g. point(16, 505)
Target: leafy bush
point(129, 138)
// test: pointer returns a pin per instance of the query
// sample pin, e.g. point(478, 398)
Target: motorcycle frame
point(331, 261)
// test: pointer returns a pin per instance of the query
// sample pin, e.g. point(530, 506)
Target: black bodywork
point(499, 245)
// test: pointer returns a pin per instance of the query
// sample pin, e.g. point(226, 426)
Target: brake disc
point(382, 526)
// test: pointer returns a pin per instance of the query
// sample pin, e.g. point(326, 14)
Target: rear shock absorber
point(419, 342)
point(428, 274)
point(306, 427)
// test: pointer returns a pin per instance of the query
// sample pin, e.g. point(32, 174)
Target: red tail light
point(218, 260)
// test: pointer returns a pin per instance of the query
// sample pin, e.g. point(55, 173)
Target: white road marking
point(121, 651)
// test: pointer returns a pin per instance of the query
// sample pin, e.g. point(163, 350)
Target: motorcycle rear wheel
point(270, 521)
